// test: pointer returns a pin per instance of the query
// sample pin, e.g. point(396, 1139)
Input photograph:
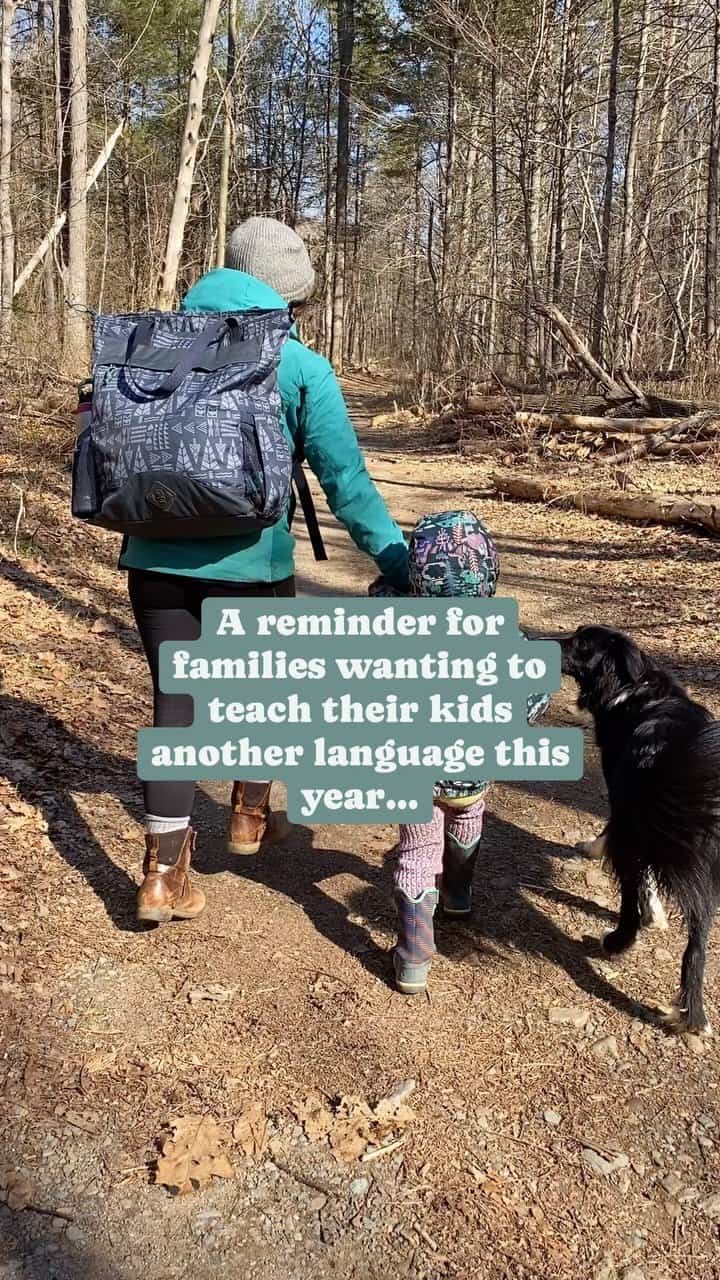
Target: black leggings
point(168, 607)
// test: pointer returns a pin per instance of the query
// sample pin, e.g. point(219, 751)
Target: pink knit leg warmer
point(420, 854)
point(466, 824)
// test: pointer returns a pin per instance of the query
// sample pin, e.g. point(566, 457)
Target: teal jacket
point(315, 418)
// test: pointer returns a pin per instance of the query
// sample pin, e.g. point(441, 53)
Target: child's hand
point(381, 587)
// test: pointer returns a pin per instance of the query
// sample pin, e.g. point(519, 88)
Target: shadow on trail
point(30, 1249)
point(636, 549)
point(503, 920)
point(591, 800)
point(298, 869)
point(50, 766)
point(73, 606)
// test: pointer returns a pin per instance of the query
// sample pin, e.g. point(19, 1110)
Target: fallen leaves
point(15, 1191)
point(639, 1036)
point(251, 1131)
point(315, 1118)
point(99, 1062)
point(16, 815)
point(192, 1152)
point(354, 1129)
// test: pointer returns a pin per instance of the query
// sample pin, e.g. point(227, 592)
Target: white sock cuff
point(161, 826)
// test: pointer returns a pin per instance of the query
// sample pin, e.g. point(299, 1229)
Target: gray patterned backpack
point(185, 436)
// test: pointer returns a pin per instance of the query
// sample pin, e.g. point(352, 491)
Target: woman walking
point(267, 266)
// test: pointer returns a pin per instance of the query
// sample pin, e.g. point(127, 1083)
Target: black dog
point(660, 755)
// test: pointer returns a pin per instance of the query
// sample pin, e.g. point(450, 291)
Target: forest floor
point(583, 1144)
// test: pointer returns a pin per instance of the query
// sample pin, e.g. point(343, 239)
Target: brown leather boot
point(166, 892)
point(249, 813)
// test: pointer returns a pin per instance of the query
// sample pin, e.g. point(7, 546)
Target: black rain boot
point(459, 862)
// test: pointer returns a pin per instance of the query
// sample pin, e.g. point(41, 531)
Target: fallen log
point(615, 392)
point(636, 392)
point(686, 450)
point(476, 406)
point(554, 405)
point(584, 422)
point(618, 388)
point(506, 381)
point(673, 408)
point(697, 423)
point(666, 509)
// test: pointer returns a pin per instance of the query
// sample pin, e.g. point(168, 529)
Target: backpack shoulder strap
point(305, 498)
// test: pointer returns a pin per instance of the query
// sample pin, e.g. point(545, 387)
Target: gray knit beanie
point(273, 253)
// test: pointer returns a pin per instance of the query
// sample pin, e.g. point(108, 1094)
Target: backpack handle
point(211, 334)
point(141, 336)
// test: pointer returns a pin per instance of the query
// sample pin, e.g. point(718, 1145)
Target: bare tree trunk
point(47, 149)
point(494, 196)
point(598, 328)
point(359, 188)
point(62, 121)
point(564, 112)
point(328, 255)
point(7, 229)
point(587, 211)
point(631, 167)
point(416, 256)
point(73, 40)
point(53, 233)
point(188, 154)
point(128, 207)
point(711, 234)
point(447, 193)
point(228, 132)
point(695, 230)
point(302, 141)
point(346, 44)
point(531, 183)
point(658, 146)
point(60, 245)
point(268, 170)
point(465, 280)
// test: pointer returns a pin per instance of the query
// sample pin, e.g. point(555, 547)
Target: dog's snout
point(566, 653)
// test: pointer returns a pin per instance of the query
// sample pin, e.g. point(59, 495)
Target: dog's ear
point(632, 659)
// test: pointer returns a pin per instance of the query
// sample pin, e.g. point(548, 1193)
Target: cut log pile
point(599, 434)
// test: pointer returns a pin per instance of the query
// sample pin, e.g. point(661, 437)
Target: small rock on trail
point(561, 1016)
point(672, 1184)
point(711, 1206)
point(600, 1164)
point(606, 1050)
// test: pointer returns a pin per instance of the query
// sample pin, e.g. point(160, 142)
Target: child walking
point(450, 554)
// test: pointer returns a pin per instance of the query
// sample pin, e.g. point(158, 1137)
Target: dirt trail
point(282, 988)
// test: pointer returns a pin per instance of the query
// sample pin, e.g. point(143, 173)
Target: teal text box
point(360, 706)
